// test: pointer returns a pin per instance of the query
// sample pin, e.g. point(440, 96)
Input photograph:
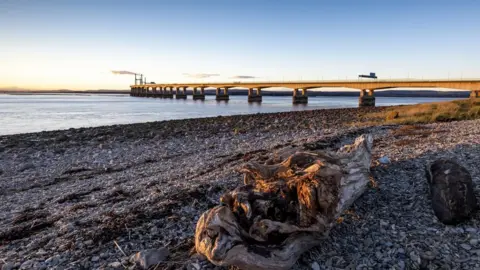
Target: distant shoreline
point(241, 92)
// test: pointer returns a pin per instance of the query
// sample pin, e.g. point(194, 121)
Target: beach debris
point(149, 257)
point(384, 160)
point(284, 208)
point(451, 189)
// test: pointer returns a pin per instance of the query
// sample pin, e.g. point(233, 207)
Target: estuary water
point(34, 113)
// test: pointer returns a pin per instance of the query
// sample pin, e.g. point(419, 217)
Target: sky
point(75, 44)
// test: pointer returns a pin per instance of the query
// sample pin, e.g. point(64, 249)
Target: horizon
point(77, 45)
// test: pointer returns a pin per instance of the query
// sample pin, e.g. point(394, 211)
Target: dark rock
point(451, 189)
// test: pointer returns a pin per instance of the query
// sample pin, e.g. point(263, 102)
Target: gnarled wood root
point(285, 208)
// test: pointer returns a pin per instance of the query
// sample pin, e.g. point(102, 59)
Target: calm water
point(32, 113)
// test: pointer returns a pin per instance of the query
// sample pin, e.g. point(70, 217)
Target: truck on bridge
point(371, 76)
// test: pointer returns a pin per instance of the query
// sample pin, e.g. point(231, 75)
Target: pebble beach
point(91, 198)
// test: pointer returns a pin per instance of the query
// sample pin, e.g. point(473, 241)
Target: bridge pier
point(475, 94)
point(181, 94)
point(197, 96)
point(300, 99)
point(366, 100)
point(223, 96)
point(255, 97)
point(156, 93)
point(167, 92)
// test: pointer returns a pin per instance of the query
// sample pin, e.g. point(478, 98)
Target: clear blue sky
point(76, 43)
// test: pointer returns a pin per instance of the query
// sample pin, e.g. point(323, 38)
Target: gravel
point(91, 198)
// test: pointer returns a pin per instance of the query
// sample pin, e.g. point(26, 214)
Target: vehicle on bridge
point(371, 76)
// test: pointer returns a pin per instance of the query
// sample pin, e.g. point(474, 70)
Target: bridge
point(300, 88)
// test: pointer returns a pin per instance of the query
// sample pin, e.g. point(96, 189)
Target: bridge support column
point(366, 100)
point(199, 96)
point(223, 96)
point(168, 93)
point(158, 92)
point(255, 97)
point(300, 99)
point(181, 94)
point(475, 94)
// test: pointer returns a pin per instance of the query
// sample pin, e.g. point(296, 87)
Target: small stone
point(27, 265)
point(149, 257)
point(7, 266)
point(401, 251)
point(104, 255)
point(473, 242)
point(315, 266)
point(95, 259)
point(428, 255)
point(415, 258)
point(88, 242)
point(54, 260)
point(115, 264)
point(384, 160)
point(368, 242)
point(154, 230)
point(466, 246)
point(41, 252)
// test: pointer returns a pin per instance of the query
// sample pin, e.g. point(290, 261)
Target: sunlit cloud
point(200, 75)
point(243, 77)
point(123, 72)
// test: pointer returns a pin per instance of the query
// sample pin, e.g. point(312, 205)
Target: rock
point(95, 259)
point(451, 188)
point(466, 246)
point(88, 242)
point(27, 264)
point(7, 266)
point(315, 266)
point(52, 261)
point(384, 160)
point(115, 265)
point(427, 255)
point(149, 257)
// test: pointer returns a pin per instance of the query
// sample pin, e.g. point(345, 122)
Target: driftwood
point(284, 208)
point(451, 189)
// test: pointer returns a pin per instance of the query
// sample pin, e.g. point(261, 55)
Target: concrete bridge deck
point(366, 88)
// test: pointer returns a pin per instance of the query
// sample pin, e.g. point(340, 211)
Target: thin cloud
point(123, 72)
point(201, 75)
point(243, 77)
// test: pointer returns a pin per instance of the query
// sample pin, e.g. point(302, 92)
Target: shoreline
point(206, 119)
point(69, 194)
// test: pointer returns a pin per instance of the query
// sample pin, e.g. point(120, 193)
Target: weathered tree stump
point(284, 208)
point(451, 189)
